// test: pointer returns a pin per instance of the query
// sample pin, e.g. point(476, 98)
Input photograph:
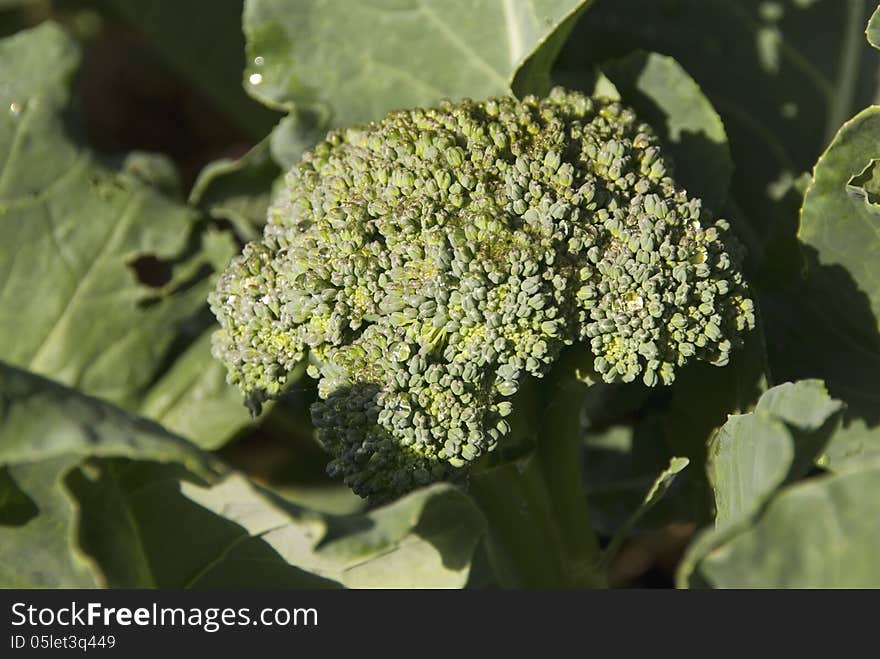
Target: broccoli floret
point(429, 262)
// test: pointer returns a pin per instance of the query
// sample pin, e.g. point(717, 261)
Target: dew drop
point(15, 109)
point(259, 61)
point(255, 78)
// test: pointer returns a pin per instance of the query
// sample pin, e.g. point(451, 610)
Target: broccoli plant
point(429, 263)
point(551, 293)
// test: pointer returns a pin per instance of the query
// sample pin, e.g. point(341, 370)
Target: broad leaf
point(362, 60)
point(754, 455)
point(873, 30)
point(635, 433)
point(838, 219)
point(667, 98)
point(805, 406)
point(811, 416)
point(533, 75)
point(42, 420)
point(194, 400)
point(238, 190)
point(658, 490)
point(425, 539)
point(840, 302)
point(818, 534)
point(209, 56)
point(78, 238)
point(114, 500)
point(42, 552)
point(146, 528)
point(751, 457)
point(46, 430)
point(782, 75)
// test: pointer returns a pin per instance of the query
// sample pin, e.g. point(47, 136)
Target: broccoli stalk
point(540, 534)
point(434, 266)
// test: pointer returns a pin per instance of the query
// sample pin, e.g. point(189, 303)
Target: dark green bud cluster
point(429, 262)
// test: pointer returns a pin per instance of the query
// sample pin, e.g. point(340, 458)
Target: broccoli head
point(427, 263)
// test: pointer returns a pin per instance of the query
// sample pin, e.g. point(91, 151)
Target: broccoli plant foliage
point(430, 261)
point(532, 293)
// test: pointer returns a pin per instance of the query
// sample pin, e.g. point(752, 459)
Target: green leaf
point(146, 528)
point(840, 301)
point(42, 420)
point(750, 460)
point(803, 406)
point(657, 491)
point(818, 534)
point(238, 190)
point(333, 497)
point(782, 75)
point(533, 75)
point(210, 56)
point(79, 238)
point(753, 455)
point(426, 539)
point(362, 60)
point(118, 501)
point(620, 463)
point(661, 484)
point(294, 134)
point(634, 433)
point(42, 553)
point(873, 29)
point(830, 305)
point(193, 399)
point(840, 227)
point(667, 98)
point(46, 430)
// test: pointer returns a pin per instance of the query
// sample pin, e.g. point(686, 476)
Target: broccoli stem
point(540, 532)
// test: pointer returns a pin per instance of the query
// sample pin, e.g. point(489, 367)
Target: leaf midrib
point(110, 239)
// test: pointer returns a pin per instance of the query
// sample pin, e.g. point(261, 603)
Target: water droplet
point(255, 78)
point(15, 109)
point(259, 61)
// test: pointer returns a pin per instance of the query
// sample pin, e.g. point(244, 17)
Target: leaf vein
point(124, 220)
point(453, 38)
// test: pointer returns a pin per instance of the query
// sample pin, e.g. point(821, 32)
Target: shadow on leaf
point(143, 531)
point(823, 327)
